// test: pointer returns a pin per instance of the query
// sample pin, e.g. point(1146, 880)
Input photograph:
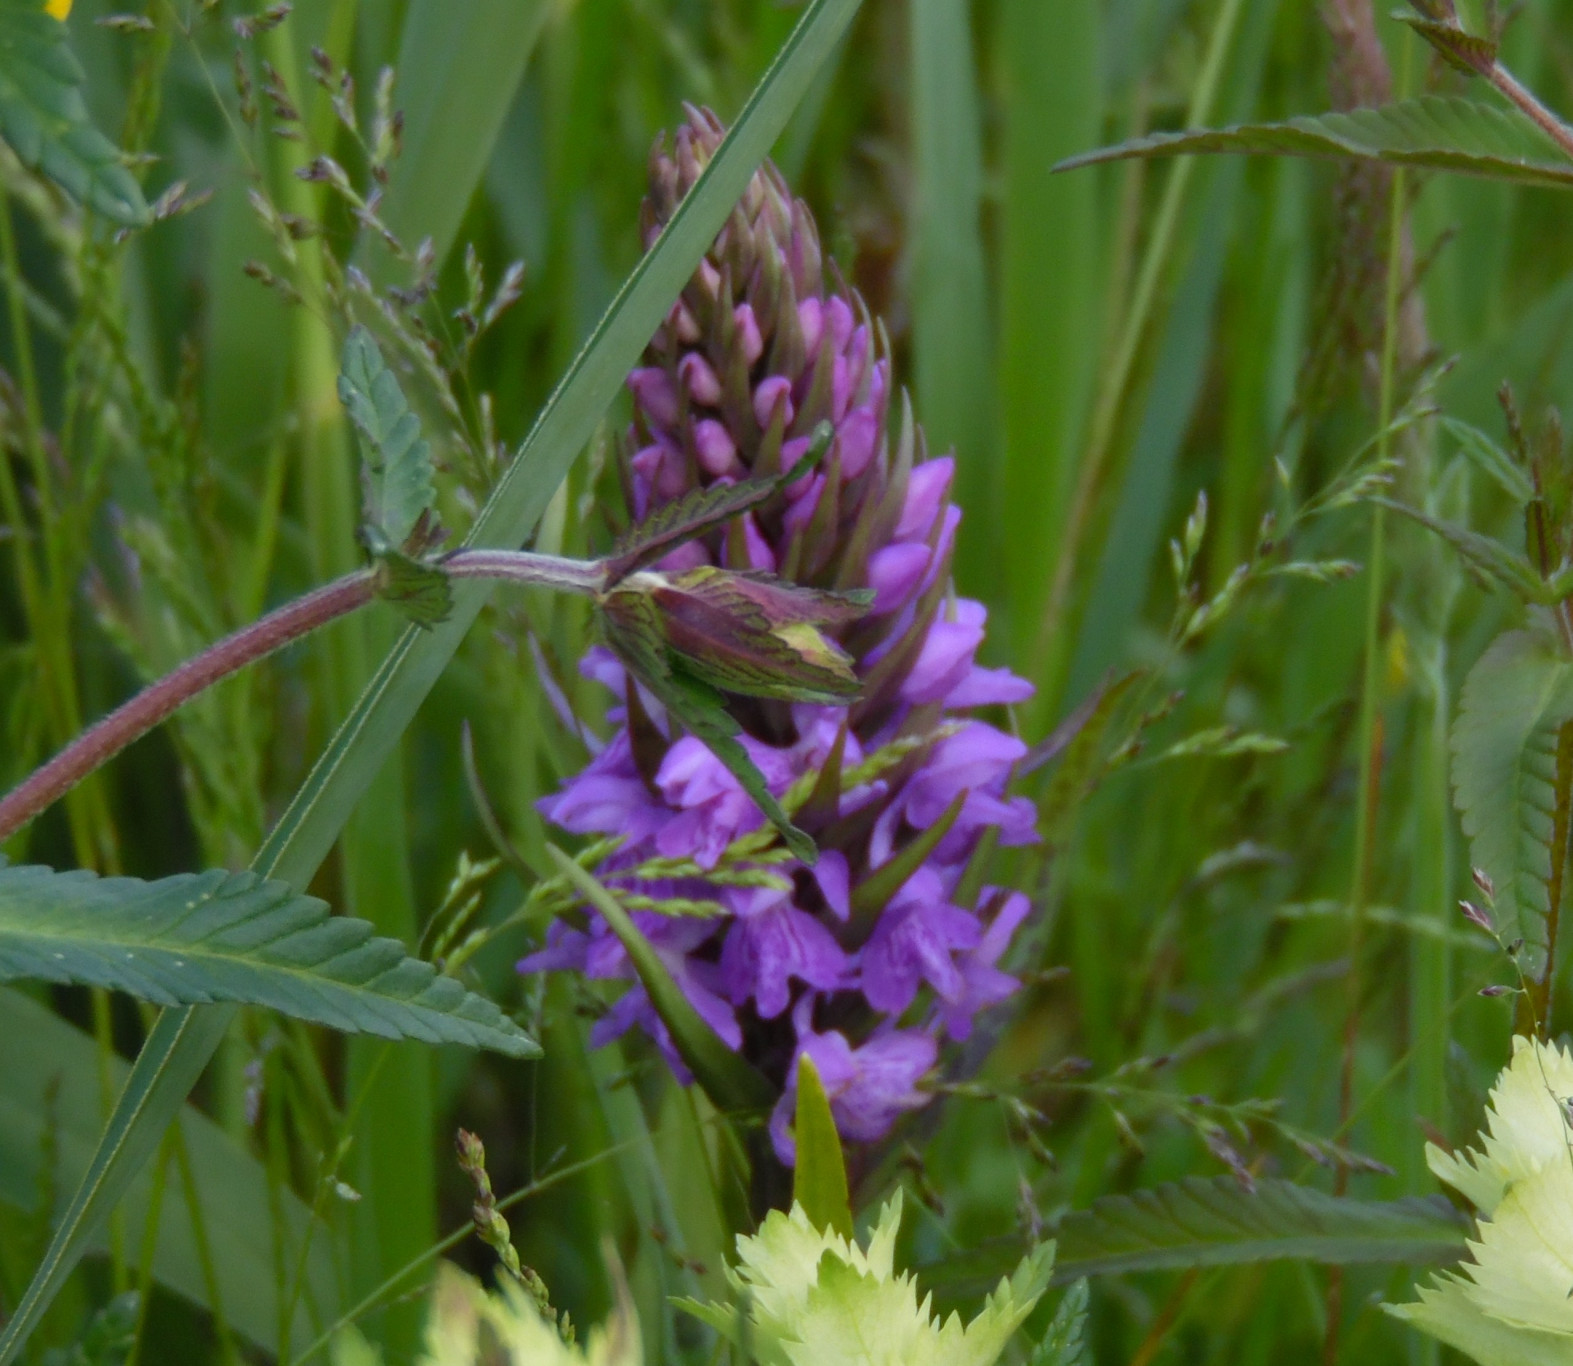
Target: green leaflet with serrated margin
point(1514, 701)
point(201, 938)
point(1437, 132)
point(396, 469)
point(45, 119)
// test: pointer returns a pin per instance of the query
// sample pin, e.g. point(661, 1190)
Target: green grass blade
point(1051, 287)
point(952, 335)
point(819, 1180)
point(459, 66)
point(50, 1077)
point(199, 938)
point(183, 1040)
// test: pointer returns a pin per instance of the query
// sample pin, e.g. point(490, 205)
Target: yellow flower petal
point(58, 8)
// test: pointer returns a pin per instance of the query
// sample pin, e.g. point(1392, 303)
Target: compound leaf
point(201, 938)
point(1438, 132)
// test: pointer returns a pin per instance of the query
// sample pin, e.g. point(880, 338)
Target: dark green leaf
point(1216, 1222)
point(1440, 133)
point(727, 1077)
point(419, 590)
point(819, 1180)
point(200, 938)
point(1515, 700)
point(396, 469)
point(45, 119)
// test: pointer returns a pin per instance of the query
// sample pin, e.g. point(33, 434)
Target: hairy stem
point(155, 703)
point(100, 743)
point(1524, 98)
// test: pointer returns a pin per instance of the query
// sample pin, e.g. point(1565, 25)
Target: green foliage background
point(1099, 346)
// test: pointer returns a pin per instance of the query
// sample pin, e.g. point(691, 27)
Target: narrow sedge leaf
point(874, 892)
point(1514, 702)
point(1437, 132)
point(396, 467)
point(1215, 1222)
point(45, 119)
point(727, 1078)
point(819, 1181)
point(182, 1041)
point(199, 938)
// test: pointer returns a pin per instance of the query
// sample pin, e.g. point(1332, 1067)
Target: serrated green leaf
point(727, 1077)
point(199, 938)
point(396, 464)
point(1065, 1344)
point(1216, 1222)
point(182, 1041)
point(819, 1178)
point(44, 117)
point(1516, 698)
point(1437, 132)
point(422, 592)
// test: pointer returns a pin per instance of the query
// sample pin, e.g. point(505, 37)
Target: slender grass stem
point(1527, 103)
point(1050, 652)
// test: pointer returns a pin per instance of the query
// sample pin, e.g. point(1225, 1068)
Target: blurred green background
point(1098, 346)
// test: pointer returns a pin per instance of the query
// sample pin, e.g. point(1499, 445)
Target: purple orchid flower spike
point(830, 960)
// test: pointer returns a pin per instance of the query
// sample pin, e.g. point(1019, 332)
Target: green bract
point(1512, 1307)
point(815, 1297)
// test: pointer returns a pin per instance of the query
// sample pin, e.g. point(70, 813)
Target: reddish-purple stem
point(102, 741)
point(156, 703)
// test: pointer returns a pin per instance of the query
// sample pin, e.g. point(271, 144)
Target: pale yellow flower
point(1513, 1304)
point(58, 8)
point(816, 1299)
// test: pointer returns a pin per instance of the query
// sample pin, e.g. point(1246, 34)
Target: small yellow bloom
point(58, 8)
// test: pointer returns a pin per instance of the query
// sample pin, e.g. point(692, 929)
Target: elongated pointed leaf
point(819, 1180)
point(1216, 1222)
point(45, 119)
point(199, 938)
point(182, 1041)
point(1437, 132)
point(1065, 1343)
point(396, 467)
point(1488, 558)
point(51, 1076)
point(727, 1077)
point(1515, 700)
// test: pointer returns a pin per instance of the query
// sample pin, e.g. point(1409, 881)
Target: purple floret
point(829, 961)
